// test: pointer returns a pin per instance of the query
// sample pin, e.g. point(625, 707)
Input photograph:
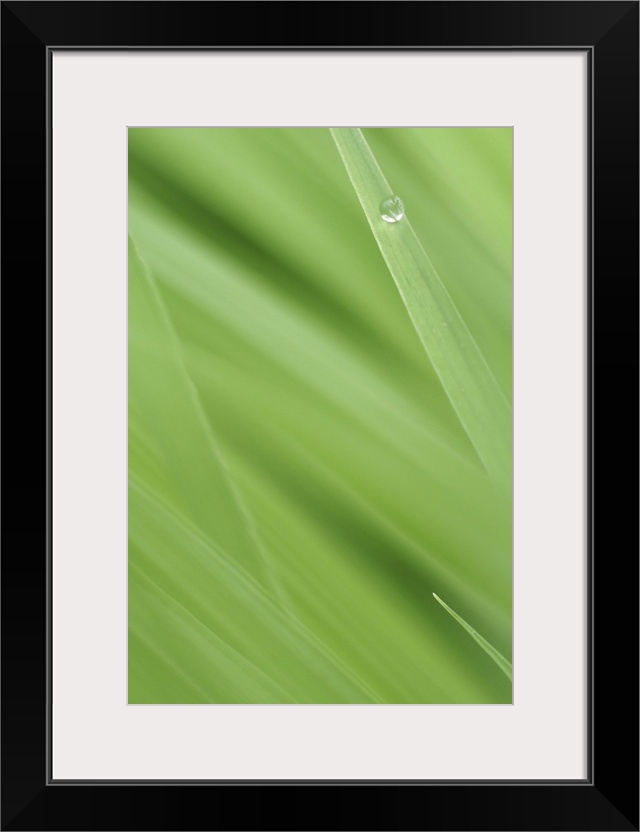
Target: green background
point(299, 483)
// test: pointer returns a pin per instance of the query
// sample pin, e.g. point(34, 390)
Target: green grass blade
point(464, 373)
point(499, 659)
point(160, 385)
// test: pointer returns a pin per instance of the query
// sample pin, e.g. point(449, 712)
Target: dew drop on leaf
point(392, 209)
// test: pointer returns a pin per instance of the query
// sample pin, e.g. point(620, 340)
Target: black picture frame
point(608, 798)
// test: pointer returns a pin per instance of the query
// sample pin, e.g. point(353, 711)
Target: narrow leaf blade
point(490, 650)
point(464, 373)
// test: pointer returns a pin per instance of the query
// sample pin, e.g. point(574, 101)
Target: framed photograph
point(331, 321)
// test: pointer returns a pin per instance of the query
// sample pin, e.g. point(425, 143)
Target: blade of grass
point(490, 650)
point(189, 447)
point(464, 373)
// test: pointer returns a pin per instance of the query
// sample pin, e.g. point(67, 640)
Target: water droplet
point(392, 209)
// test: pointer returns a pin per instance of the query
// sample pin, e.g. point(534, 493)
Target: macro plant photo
point(320, 415)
